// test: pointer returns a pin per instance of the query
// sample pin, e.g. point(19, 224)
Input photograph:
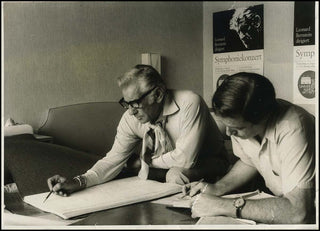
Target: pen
point(190, 188)
point(48, 196)
point(251, 194)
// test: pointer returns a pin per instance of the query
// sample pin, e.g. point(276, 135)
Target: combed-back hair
point(145, 75)
point(249, 95)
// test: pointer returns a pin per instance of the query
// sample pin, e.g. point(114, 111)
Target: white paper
point(10, 219)
point(112, 194)
point(241, 61)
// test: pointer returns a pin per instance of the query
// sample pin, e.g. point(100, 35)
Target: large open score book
point(112, 194)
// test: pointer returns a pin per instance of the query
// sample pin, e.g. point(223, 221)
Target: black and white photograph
point(238, 29)
point(304, 89)
point(148, 115)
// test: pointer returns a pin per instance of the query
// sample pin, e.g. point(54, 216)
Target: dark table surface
point(145, 213)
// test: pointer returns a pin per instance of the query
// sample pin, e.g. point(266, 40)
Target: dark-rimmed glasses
point(135, 103)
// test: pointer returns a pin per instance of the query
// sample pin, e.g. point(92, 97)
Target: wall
point(60, 53)
point(278, 45)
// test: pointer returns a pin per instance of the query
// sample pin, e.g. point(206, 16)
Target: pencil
point(251, 194)
point(190, 188)
point(47, 196)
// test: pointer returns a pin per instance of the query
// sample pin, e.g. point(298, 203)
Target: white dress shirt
point(192, 130)
point(286, 156)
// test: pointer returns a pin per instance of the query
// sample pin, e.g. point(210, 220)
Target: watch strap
point(239, 208)
point(238, 212)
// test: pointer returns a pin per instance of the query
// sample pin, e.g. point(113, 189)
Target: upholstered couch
point(81, 134)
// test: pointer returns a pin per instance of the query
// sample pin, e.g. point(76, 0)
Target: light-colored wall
point(60, 53)
point(278, 45)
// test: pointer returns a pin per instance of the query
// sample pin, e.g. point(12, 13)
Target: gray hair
point(145, 75)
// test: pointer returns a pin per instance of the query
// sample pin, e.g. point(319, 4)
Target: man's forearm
point(296, 207)
point(277, 210)
point(239, 175)
point(271, 211)
point(208, 169)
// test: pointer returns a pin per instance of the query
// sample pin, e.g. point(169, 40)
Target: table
point(144, 213)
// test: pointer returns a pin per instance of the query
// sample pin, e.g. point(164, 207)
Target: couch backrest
point(89, 127)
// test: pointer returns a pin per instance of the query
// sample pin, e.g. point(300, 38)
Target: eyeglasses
point(134, 103)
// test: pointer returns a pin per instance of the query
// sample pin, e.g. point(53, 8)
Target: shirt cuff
point(91, 177)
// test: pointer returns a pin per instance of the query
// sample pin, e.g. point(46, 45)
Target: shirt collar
point(170, 106)
point(270, 127)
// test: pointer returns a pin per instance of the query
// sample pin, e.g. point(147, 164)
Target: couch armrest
point(32, 162)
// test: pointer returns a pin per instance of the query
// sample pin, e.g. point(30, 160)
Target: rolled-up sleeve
point(193, 119)
point(111, 165)
point(297, 153)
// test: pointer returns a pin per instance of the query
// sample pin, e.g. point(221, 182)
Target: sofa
point(81, 134)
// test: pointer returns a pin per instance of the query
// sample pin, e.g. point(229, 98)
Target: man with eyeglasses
point(180, 140)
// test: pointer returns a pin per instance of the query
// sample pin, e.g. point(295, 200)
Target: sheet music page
point(177, 200)
point(168, 200)
point(104, 196)
point(250, 195)
point(11, 219)
point(185, 202)
point(218, 220)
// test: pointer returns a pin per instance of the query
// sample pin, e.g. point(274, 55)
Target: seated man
point(272, 137)
point(180, 140)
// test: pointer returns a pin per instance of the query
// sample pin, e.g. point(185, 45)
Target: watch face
point(239, 202)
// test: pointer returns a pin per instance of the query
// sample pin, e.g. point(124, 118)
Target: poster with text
point(305, 78)
point(237, 42)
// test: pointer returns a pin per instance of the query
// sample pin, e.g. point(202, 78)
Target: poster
point(304, 53)
point(237, 42)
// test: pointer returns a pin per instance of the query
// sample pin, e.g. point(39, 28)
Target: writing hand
point(193, 188)
point(61, 186)
point(206, 205)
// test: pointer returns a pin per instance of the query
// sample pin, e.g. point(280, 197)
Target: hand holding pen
point(193, 188)
point(61, 186)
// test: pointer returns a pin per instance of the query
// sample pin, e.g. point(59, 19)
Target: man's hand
point(175, 175)
point(206, 205)
point(194, 188)
point(63, 187)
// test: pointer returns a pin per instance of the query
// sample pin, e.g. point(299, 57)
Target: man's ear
point(159, 94)
point(257, 21)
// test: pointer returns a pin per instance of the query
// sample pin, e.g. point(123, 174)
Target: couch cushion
point(32, 162)
point(89, 127)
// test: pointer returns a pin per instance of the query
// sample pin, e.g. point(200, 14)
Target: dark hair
point(250, 95)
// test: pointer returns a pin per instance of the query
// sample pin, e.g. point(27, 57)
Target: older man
point(179, 137)
point(273, 138)
point(248, 25)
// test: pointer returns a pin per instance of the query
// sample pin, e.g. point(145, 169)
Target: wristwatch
point(239, 203)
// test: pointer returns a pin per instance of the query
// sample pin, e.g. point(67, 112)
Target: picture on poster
point(306, 84)
point(238, 29)
point(237, 42)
